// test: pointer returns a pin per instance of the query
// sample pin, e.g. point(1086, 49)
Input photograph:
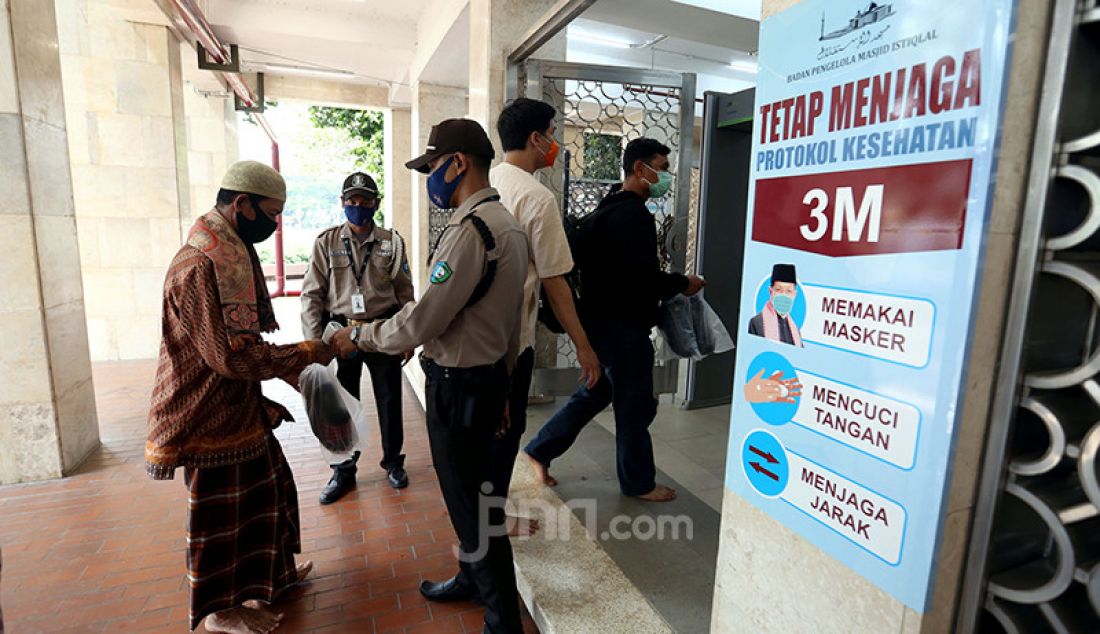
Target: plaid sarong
point(242, 532)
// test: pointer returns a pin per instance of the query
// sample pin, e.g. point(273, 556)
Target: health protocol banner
point(876, 129)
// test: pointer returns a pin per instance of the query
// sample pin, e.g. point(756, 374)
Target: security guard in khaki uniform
point(357, 274)
point(468, 321)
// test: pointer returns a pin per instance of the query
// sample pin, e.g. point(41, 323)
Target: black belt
point(350, 321)
point(437, 372)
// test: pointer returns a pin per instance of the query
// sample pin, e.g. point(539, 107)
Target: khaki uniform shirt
point(452, 334)
point(330, 280)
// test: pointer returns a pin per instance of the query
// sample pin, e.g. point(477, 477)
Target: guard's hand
point(695, 284)
point(591, 370)
point(407, 356)
point(345, 347)
point(505, 421)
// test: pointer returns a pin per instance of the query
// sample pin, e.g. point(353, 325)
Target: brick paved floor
point(103, 550)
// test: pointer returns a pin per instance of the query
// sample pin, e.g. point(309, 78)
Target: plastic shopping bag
point(334, 415)
point(691, 328)
point(711, 335)
point(678, 326)
point(662, 353)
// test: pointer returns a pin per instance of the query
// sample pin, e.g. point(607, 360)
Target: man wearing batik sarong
point(209, 416)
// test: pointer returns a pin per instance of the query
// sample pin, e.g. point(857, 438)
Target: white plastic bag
point(711, 335)
point(678, 326)
point(335, 417)
point(691, 329)
point(662, 353)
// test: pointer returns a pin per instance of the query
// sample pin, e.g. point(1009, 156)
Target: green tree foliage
point(602, 155)
point(365, 128)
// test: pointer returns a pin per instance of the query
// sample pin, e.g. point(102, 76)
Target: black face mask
point(258, 230)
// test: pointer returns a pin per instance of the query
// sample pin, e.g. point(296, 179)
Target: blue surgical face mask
point(661, 187)
point(783, 304)
point(360, 215)
point(439, 190)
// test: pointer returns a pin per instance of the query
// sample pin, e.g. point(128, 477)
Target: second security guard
point(357, 274)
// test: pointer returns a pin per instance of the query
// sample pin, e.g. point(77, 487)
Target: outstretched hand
point(695, 284)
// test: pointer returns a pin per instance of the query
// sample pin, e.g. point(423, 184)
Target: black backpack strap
point(491, 267)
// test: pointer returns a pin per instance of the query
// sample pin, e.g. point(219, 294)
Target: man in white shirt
point(526, 128)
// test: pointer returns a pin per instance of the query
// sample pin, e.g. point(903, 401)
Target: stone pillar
point(495, 29)
point(123, 108)
point(210, 142)
point(761, 582)
point(48, 420)
point(398, 194)
point(431, 104)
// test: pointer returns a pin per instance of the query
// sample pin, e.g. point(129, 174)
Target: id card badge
point(358, 304)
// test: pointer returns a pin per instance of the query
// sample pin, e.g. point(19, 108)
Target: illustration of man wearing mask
point(775, 322)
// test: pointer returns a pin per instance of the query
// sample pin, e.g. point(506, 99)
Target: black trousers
point(626, 355)
point(385, 378)
point(464, 409)
point(506, 447)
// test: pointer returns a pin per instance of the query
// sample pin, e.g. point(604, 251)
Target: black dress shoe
point(398, 478)
point(448, 591)
point(337, 487)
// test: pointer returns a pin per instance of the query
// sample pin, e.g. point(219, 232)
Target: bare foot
point(660, 493)
point(521, 526)
point(541, 471)
point(243, 621)
point(303, 569)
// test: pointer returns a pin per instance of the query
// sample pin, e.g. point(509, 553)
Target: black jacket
point(621, 278)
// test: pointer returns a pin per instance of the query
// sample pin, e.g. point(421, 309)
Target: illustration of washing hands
point(774, 389)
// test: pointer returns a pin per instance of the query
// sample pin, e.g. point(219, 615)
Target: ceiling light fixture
point(656, 40)
point(596, 38)
point(745, 65)
point(306, 70)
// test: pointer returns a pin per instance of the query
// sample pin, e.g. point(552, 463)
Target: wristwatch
point(354, 336)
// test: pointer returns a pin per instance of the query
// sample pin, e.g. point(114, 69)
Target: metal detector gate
point(602, 108)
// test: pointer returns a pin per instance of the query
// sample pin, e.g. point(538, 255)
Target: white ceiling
point(371, 41)
point(744, 8)
point(375, 41)
point(666, 35)
point(450, 63)
point(682, 21)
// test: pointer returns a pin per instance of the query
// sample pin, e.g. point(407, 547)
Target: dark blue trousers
point(626, 355)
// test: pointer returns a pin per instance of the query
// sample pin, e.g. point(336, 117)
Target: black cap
point(360, 183)
point(454, 135)
point(783, 273)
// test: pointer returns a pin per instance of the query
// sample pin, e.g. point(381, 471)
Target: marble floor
point(674, 573)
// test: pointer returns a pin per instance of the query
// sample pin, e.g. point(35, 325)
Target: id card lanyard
point(358, 300)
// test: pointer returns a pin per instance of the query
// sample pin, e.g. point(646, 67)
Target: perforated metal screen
point(1042, 564)
point(602, 109)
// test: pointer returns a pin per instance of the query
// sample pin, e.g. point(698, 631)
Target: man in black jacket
point(623, 285)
